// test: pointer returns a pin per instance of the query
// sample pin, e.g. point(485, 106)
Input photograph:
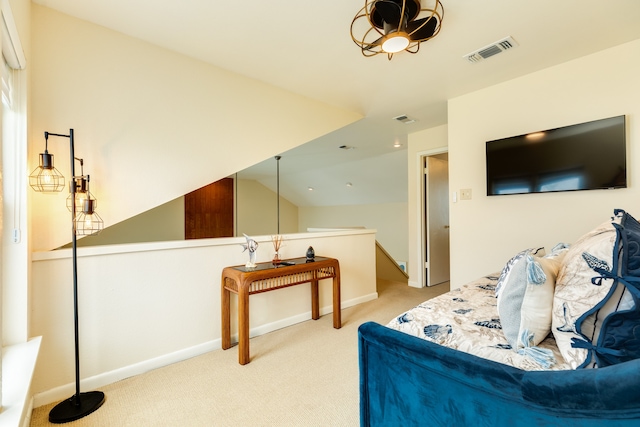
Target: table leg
point(337, 315)
point(315, 300)
point(243, 324)
point(226, 316)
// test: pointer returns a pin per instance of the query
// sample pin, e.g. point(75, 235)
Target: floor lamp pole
point(80, 404)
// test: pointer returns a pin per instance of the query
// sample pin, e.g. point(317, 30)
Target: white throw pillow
point(526, 299)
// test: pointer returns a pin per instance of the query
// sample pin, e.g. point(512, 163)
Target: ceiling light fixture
point(391, 26)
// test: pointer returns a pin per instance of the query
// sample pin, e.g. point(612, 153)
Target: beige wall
point(163, 223)
point(389, 219)
point(487, 231)
point(426, 142)
point(151, 125)
point(256, 215)
point(387, 268)
point(257, 211)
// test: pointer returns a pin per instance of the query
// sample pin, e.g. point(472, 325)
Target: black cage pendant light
point(46, 178)
point(391, 26)
point(81, 192)
point(87, 221)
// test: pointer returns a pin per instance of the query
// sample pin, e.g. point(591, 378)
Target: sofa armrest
point(406, 380)
point(615, 387)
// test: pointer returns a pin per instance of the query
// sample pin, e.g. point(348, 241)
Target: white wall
point(142, 306)
point(151, 125)
point(427, 142)
point(389, 219)
point(487, 231)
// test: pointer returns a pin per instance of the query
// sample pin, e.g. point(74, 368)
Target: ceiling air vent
point(490, 50)
point(404, 119)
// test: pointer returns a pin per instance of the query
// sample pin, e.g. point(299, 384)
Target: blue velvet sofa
point(409, 381)
point(424, 368)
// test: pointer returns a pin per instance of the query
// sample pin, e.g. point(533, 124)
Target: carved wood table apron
point(267, 277)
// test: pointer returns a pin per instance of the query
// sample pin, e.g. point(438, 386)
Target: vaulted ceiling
point(305, 47)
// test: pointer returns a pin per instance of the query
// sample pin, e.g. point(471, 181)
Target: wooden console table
point(267, 277)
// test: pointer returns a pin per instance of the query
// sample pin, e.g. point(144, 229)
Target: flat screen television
point(585, 156)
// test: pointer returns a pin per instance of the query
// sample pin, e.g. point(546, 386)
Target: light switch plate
point(465, 194)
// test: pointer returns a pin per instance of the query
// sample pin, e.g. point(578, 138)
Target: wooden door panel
point(208, 211)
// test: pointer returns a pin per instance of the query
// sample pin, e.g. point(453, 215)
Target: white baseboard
point(97, 381)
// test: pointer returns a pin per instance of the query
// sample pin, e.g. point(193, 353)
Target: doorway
point(435, 219)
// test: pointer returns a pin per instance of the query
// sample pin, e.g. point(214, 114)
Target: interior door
point(437, 218)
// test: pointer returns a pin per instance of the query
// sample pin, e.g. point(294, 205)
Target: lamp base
point(76, 407)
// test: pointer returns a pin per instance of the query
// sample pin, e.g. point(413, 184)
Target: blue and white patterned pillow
point(596, 312)
point(514, 266)
point(526, 299)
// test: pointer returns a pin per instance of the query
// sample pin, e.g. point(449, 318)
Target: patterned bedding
point(466, 319)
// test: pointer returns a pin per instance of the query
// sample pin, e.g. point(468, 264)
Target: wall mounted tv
point(585, 156)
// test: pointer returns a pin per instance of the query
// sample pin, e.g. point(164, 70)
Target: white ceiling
point(305, 47)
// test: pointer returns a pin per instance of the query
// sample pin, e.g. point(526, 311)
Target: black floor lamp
point(46, 178)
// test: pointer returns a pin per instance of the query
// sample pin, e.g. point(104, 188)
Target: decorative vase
point(311, 254)
point(277, 242)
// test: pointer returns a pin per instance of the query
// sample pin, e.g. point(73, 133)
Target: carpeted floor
point(302, 375)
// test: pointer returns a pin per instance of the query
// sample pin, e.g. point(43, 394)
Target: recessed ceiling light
point(349, 184)
point(346, 147)
point(397, 144)
point(310, 188)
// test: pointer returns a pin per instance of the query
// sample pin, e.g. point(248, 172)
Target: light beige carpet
point(302, 375)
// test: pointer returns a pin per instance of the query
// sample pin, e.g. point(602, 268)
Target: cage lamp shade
point(81, 194)
point(87, 221)
point(46, 178)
